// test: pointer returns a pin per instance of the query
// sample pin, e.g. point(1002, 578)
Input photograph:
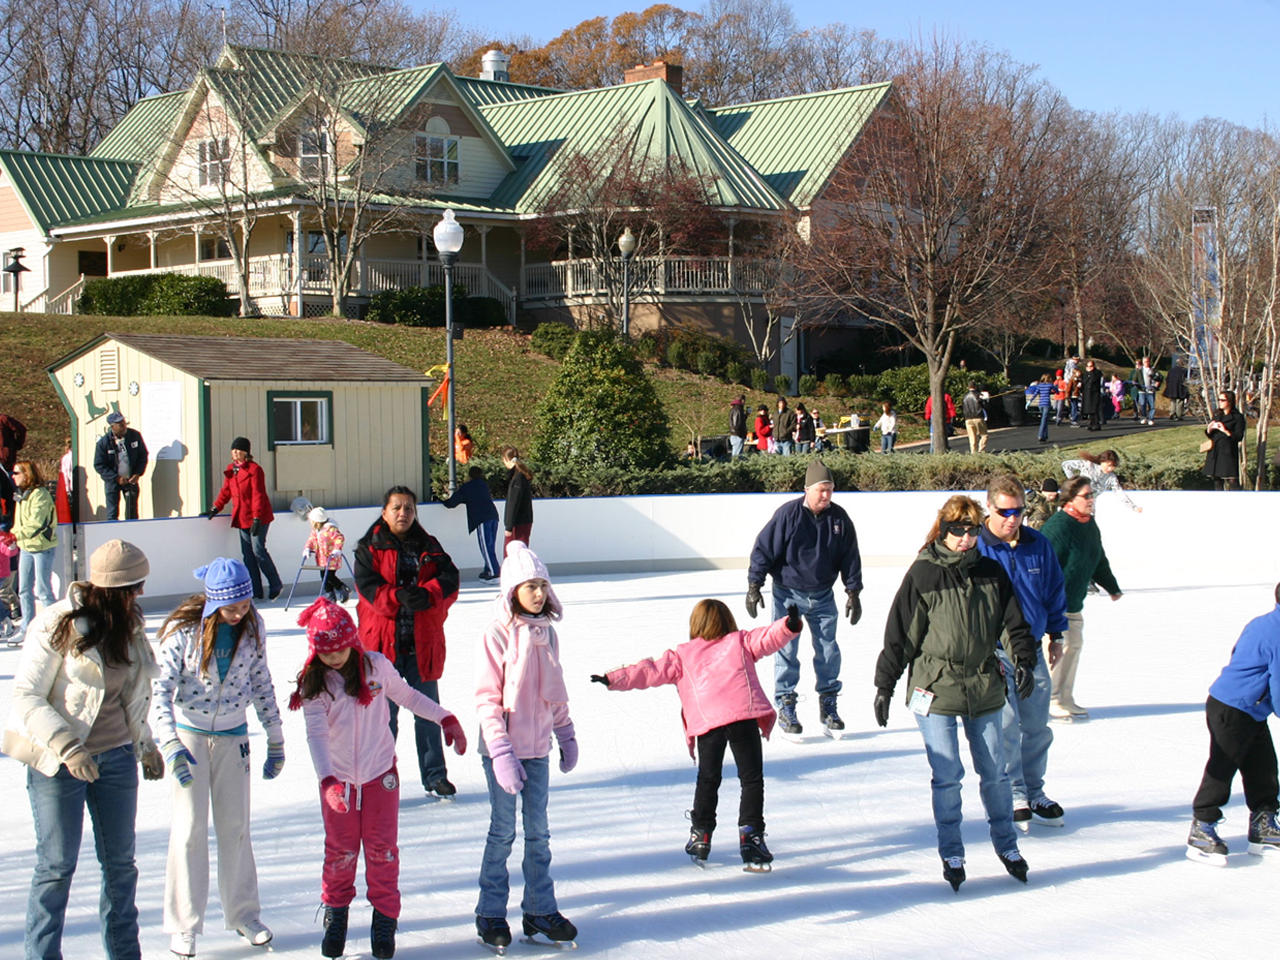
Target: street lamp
point(448, 238)
point(15, 269)
point(627, 246)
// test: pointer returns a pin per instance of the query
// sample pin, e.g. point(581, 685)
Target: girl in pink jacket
point(343, 693)
point(522, 703)
point(722, 704)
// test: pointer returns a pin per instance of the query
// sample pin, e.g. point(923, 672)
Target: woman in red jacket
point(251, 514)
point(764, 430)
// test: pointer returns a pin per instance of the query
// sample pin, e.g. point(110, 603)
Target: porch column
point(360, 258)
point(483, 230)
point(523, 286)
point(733, 222)
point(196, 233)
point(111, 255)
point(151, 240)
point(297, 259)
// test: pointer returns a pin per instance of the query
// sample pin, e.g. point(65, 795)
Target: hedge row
point(156, 294)
point(424, 307)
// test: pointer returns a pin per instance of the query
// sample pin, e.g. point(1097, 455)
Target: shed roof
point(259, 358)
point(55, 188)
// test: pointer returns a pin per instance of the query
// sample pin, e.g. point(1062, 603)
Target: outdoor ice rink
point(857, 873)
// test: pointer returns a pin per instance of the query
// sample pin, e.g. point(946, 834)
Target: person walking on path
point(953, 607)
point(251, 514)
point(805, 546)
point(518, 510)
point(784, 428)
point(1245, 694)
point(1100, 470)
point(1146, 381)
point(482, 519)
point(406, 584)
point(1091, 398)
point(1077, 543)
point(1225, 432)
point(737, 426)
point(120, 458)
point(1041, 394)
point(35, 527)
point(1033, 568)
point(213, 666)
point(78, 720)
point(975, 419)
point(888, 427)
point(1175, 390)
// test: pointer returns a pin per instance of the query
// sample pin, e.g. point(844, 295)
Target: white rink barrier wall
point(1194, 536)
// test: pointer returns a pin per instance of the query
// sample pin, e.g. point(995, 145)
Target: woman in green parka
point(952, 609)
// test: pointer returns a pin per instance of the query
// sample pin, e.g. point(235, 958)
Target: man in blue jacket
point(806, 544)
point(120, 459)
point(1245, 694)
point(1038, 583)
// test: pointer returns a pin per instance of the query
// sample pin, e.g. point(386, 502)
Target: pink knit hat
point(330, 629)
point(523, 564)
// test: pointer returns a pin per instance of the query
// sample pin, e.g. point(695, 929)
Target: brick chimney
point(672, 73)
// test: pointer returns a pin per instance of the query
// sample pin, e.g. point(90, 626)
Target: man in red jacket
point(251, 514)
point(406, 584)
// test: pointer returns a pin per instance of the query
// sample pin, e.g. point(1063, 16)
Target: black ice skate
point(554, 930)
point(443, 789)
point(1022, 817)
point(1204, 844)
point(1014, 863)
point(788, 722)
point(953, 872)
point(699, 846)
point(382, 936)
point(494, 934)
point(1045, 812)
point(832, 725)
point(334, 943)
point(1264, 833)
point(756, 857)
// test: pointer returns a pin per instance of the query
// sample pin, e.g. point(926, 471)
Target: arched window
point(437, 153)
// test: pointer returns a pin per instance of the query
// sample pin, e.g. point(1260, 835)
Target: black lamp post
point(448, 237)
point(15, 269)
point(627, 246)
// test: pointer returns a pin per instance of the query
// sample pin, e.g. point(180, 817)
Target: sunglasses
point(1009, 511)
point(961, 530)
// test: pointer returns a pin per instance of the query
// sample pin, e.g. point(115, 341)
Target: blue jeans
point(486, 535)
point(1074, 404)
point(735, 446)
point(426, 735)
point(784, 447)
point(1044, 422)
point(35, 578)
point(942, 746)
point(254, 551)
point(819, 610)
point(57, 806)
point(1026, 732)
point(495, 883)
point(887, 440)
point(1146, 405)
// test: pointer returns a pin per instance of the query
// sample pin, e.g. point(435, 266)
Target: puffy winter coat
point(35, 522)
point(716, 679)
point(247, 485)
point(520, 691)
point(1223, 458)
point(104, 455)
point(519, 506)
point(327, 543)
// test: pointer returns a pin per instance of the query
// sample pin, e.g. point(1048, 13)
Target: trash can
point(1015, 405)
point(857, 439)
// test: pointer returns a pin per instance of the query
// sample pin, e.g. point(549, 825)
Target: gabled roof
point(143, 131)
point(482, 92)
point(796, 142)
point(54, 188)
point(538, 129)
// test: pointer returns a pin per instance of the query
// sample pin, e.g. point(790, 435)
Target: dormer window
point(437, 153)
point(313, 151)
point(215, 161)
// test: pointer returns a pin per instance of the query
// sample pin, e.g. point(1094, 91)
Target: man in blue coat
point(806, 544)
point(1038, 583)
point(120, 459)
point(1245, 694)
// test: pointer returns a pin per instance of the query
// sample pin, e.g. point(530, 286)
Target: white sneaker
point(256, 932)
point(183, 945)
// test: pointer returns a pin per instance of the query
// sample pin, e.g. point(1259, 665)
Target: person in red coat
point(251, 514)
point(405, 585)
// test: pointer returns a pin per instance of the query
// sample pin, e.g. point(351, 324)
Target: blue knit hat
point(225, 581)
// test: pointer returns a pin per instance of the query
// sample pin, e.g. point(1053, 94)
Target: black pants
point(1094, 421)
point(1226, 483)
point(1236, 742)
point(130, 493)
point(743, 738)
point(330, 582)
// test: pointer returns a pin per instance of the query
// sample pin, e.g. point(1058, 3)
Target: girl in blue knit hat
point(213, 665)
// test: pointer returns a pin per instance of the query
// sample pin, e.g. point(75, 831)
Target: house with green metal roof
point(241, 149)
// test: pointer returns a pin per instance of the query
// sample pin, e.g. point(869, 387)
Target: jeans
point(495, 883)
point(819, 610)
point(887, 440)
point(1044, 422)
point(784, 447)
point(35, 578)
point(1074, 404)
point(1057, 411)
point(804, 446)
point(57, 806)
point(1146, 405)
point(743, 738)
point(942, 746)
point(1026, 732)
point(254, 551)
point(130, 493)
point(1237, 742)
point(735, 446)
point(426, 735)
point(486, 535)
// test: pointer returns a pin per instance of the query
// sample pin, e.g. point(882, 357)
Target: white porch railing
point(564, 279)
point(64, 302)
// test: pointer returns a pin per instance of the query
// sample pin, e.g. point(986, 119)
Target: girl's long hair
point(311, 678)
point(190, 613)
point(1106, 456)
point(957, 509)
point(511, 453)
point(111, 613)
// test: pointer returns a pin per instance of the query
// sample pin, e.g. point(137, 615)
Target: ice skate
point(953, 872)
point(1045, 812)
point(699, 847)
point(756, 857)
point(443, 790)
point(788, 723)
point(1204, 844)
point(255, 932)
point(334, 943)
point(1264, 834)
point(549, 930)
point(1022, 816)
point(494, 934)
point(183, 945)
point(382, 935)
point(1014, 863)
point(832, 725)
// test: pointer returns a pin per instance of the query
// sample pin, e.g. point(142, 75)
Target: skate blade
point(1213, 859)
point(1047, 821)
point(791, 737)
point(1023, 825)
point(1264, 849)
point(700, 864)
point(833, 734)
point(533, 941)
point(757, 868)
point(500, 951)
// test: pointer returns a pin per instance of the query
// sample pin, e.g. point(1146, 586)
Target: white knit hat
point(318, 515)
point(521, 565)
point(118, 563)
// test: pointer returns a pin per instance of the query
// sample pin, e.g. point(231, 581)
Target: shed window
point(300, 419)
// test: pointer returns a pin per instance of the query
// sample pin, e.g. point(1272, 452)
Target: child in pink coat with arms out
point(722, 705)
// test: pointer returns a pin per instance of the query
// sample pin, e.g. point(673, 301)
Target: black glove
point(794, 623)
point(596, 678)
point(882, 706)
point(754, 600)
point(255, 527)
point(853, 606)
point(209, 514)
point(413, 598)
point(1024, 679)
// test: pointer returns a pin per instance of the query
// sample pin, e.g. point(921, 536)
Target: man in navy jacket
point(120, 459)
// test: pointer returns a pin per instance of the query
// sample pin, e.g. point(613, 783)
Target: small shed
point(327, 420)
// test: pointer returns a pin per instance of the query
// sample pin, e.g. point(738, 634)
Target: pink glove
point(453, 735)
point(568, 747)
point(507, 769)
point(334, 794)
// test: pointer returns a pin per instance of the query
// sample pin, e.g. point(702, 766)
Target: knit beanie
point(330, 629)
point(1050, 485)
point(818, 472)
point(118, 563)
point(226, 580)
point(522, 565)
point(318, 515)
point(241, 443)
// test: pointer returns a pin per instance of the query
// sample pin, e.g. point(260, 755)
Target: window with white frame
point(313, 150)
point(299, 420)
point(215, 161)
point(437, 158)
point(214, 248)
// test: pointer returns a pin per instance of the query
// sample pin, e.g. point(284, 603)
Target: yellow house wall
point(181, 183)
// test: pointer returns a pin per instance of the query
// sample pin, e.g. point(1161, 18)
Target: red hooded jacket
point(247, 485)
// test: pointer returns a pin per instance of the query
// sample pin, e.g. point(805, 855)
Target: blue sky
point(1193, 59)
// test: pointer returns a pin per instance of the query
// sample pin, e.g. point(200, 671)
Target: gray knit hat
point(118, 563)
point(818, 472)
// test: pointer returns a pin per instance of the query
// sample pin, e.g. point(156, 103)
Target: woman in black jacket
point(518, 517)
point(1225, 430)
point(1091, 395)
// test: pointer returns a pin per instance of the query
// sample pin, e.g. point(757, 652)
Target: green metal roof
point(537, 130)
point(143, 131)
point(796, 142)
point(484, 92)
point(54, 189)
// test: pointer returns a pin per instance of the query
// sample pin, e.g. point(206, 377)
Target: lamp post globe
point(627, 247)
point(448, 236)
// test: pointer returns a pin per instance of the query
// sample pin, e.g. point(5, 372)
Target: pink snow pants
point(372, 818)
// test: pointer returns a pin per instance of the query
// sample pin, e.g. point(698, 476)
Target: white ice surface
point(857, 873)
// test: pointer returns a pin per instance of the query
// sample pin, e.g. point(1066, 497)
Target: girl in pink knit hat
point(343, 692)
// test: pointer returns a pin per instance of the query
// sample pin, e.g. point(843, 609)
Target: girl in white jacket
point(213, 665)
point(343, 693)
